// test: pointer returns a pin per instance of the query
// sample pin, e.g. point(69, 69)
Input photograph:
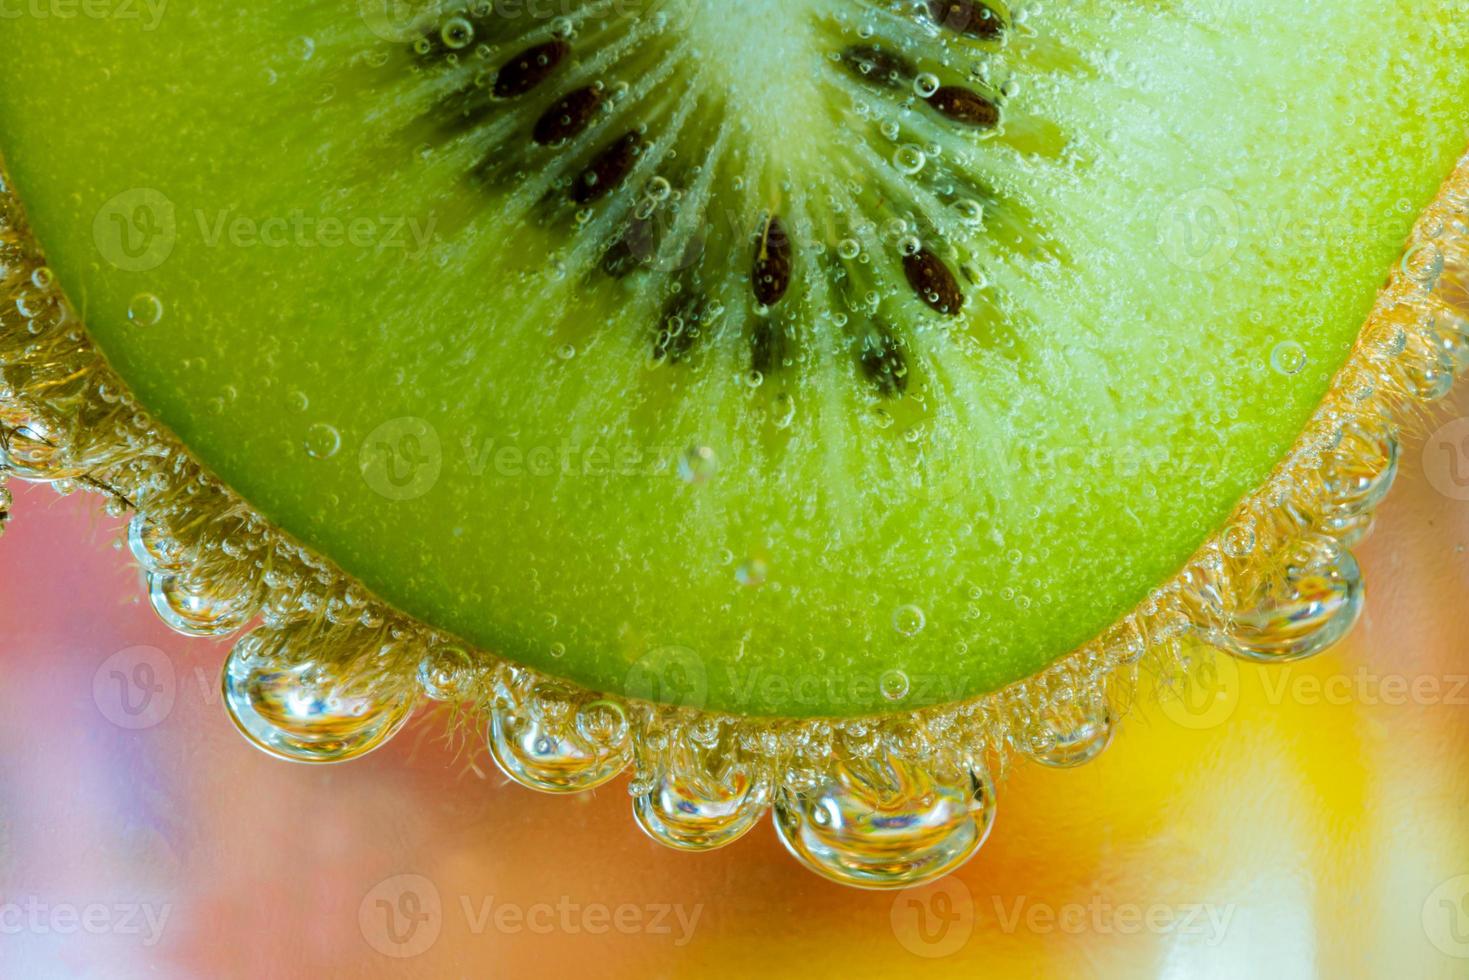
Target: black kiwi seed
point(771, 275)
point(529, 68)
point(967, 17)
point(933, 282)
point(964, 106)
point(673, 249)
point(883, 362)
point(608, 170)
point(878, 66)
point(568, 117)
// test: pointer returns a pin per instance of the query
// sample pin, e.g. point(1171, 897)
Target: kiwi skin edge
point(65, 418)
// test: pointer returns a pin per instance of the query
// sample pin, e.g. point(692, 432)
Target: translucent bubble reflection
point(885, 823)
point(300, 714)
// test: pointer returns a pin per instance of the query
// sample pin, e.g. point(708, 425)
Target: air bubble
point(457, 34)
point(894, 685)
point(301, 714)
point(785, 411)
point(751, 573)
point(303, 48)
point(322, 441)
point(697, 465)
point(849, 248)
point(909, 620)
point(909, 159)
point(910, 245)
point(447, 673)
point(1239, 540)
point(1288, 358)
point(145, 310)
point(970, 211)
point(926, 84)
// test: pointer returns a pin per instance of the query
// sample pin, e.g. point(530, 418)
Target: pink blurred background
point(1312, 821)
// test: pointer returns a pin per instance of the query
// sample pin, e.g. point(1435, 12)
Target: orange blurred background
point(1307, 821)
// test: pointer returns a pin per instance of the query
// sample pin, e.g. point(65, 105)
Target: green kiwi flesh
point(865, 354)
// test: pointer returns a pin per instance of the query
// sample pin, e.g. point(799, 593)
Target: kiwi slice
point(821, 359)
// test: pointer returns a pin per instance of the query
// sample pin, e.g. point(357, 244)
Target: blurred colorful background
point(1307, 821)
